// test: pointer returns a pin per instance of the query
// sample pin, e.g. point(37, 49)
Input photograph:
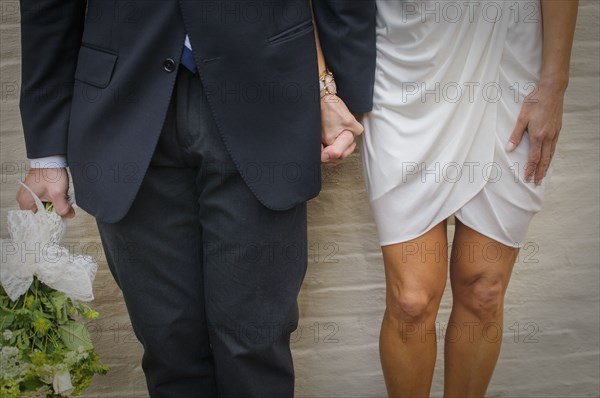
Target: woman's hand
point(541, 116)
point(339, 129)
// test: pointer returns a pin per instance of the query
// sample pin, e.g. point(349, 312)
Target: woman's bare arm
point(541, 115)
point(339, 126)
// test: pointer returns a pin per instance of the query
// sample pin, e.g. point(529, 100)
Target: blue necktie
point(187, 56)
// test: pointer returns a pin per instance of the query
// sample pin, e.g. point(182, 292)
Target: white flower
point(7, 334)
point(11, 366)
point(46, 374)
point(62, 382)
point(72, 357)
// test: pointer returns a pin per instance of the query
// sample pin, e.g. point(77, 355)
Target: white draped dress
point(450, 82)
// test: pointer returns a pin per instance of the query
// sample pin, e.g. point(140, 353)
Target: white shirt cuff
point(48, 162)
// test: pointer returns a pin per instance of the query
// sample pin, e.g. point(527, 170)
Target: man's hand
point(339, 129)
point(50, 185)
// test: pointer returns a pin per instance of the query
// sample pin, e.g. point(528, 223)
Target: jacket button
point(169, 65)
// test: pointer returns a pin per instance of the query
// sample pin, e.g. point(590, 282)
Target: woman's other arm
point(541, 115)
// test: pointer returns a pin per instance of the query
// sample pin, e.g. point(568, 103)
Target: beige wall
point(553, 298)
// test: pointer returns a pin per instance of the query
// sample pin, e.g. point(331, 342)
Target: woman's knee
point(411, 305)
point(483, 297)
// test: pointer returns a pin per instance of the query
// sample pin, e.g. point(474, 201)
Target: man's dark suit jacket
point(97, 79)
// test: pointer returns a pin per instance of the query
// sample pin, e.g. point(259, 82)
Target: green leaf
point(47, 304)
point(74, 334)
point(18, 332)
point(50, 349)
point(36, 315)
point(22, 342)
point(33, 383)
point(6, 320)
point(59, 300)
point(21, 311)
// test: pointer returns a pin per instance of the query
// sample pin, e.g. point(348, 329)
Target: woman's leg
point(480, 270)
point(415, 280)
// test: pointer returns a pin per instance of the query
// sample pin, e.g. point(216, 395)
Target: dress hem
point(433, 224)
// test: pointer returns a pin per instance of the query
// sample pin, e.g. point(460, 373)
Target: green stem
point(24, 300)
point(53, 341)
point(30, 338)
point(15, 305)
point(36, 289)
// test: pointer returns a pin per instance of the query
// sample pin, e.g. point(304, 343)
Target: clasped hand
point(339, 130)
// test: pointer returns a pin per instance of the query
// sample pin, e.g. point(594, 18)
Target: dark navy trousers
point(209, 275)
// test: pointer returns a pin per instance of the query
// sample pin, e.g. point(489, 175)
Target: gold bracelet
point(327, 83)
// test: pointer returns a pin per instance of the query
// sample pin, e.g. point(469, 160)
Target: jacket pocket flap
point(95, 66)
point(291, 33)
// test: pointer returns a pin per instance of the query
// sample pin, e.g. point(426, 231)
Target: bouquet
point(45, 348)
